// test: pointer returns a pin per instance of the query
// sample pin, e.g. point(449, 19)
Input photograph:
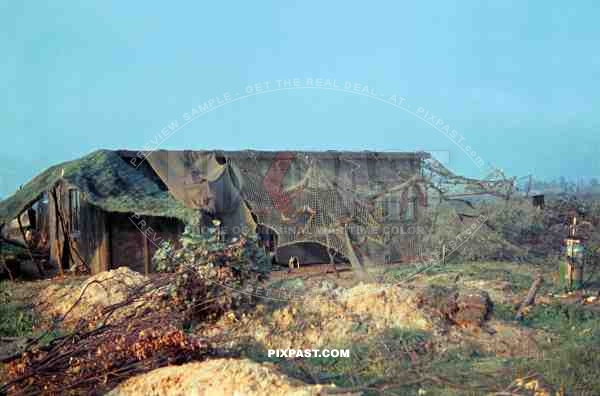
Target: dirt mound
point(318, 321)
point(98, 291)
point(499, 338)
point(387, 306)
point(217, 377)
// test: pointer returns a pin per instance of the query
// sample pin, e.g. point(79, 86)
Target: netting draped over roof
point(337, 199)
point(107, 182)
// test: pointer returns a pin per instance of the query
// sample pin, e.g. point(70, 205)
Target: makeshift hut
point(90, 207)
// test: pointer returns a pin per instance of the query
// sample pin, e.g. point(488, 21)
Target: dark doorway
point(307, 253)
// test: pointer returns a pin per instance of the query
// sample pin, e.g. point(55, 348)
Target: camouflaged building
point(360, 207)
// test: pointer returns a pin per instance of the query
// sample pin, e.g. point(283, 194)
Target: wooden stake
point(146, 253)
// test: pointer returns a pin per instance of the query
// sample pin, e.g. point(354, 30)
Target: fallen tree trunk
point(530, 299)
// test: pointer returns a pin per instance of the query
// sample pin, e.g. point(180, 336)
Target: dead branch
point(530, 299)
point(97, 353)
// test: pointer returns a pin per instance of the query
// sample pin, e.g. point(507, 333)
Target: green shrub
point(15, 320)
point(210, 275)
point(563, 318)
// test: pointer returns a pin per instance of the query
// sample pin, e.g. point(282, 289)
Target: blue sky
point(519, 81)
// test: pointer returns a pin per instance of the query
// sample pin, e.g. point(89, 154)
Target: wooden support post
point(330, 253)
point(106, 249)
point(58, 248)
point(66, 234)
point(58, 217)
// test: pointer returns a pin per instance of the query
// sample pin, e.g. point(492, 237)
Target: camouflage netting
point(340, 200)
point(357, 204)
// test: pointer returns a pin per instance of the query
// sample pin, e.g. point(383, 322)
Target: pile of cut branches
point(99, 353)
point(200, 282)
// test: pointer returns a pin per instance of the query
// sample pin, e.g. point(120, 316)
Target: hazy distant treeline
point(564, 185)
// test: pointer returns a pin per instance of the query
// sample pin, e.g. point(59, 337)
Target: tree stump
point(473, 308)
point(464, 308)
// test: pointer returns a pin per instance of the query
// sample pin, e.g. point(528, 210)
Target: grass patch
point(504, 312)
point(406, 336)
point(572, 361)
point(16, 320)
point(561, 318)
point(470, 368)
point(410, 272)
point(517, 275)
point(572, 358)
point(288, 284)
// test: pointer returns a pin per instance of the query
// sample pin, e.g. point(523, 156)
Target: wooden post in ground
point(146, 242)
point(331, 256)
point(66, 234)
point(56, 240)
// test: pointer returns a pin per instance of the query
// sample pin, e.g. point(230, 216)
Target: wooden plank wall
point(92, 242)
point(135, 240)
